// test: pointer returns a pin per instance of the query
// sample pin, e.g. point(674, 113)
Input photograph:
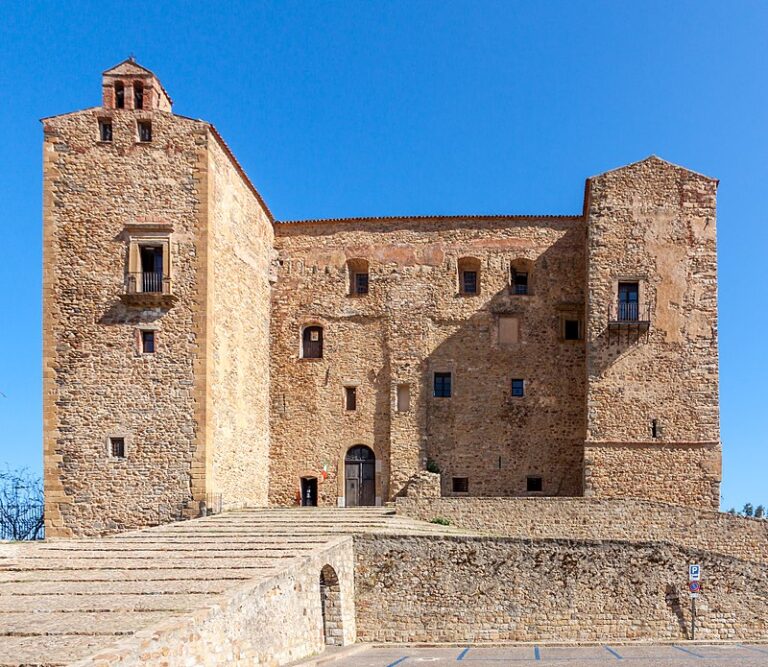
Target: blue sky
point(362, 108)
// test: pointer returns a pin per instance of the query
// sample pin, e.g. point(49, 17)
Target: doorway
point(330, 607)
point(309, 491)
point(360, 477)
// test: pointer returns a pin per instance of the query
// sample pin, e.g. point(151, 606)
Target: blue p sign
point(694, 572)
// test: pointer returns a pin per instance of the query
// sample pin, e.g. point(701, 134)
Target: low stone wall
point(270, 622)
point(460, 589)
point(598, 519)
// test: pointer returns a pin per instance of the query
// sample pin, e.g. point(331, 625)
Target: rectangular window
point(403, 398)
point(469, 282)
point(533, 483)
point(572, 330)
point(519, 283)
point(460, 484)
point(629, 301)
point(361, 283)
point(442, 385)
point(518, 388)
point(117, 447)
point(350, 398)
point(105, 130)
point(148, 342)
point(145, 131)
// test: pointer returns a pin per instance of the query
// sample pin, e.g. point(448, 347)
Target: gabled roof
point(131, 63)
point(654, 159)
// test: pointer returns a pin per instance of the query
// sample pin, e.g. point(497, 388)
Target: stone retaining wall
point(586, 518)
point(460, 589)
point(269, 622)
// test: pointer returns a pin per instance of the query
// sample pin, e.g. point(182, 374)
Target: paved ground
point(678, 655)
point(62, 601)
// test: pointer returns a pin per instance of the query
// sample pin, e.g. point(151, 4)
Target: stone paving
point(61, 601)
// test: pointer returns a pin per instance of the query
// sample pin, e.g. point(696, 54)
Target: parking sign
point(694, 573)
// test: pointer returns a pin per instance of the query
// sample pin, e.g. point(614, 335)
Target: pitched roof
point(654, 159)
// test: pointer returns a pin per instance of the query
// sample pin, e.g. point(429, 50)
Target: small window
point(145, 131)
point(469, 276)
point(518, 388)
point(442, 385)
point(460, 484)
point(403, 398)
point(117, 447)
point(119, 95)
point(519, 282)
point(148, 342)
point(312, 343)
point(533, 483)
point(572, 330)
point(361, 283)
point(469, 282)
point(509, 330)
point(357, 271)
point(138, 95)
point(350, 398)
point(105, 130)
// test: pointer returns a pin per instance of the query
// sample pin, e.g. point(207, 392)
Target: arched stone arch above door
point(359, 468)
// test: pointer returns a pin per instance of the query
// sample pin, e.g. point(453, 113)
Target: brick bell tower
point(128, 85)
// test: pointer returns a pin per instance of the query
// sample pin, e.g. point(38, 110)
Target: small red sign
point(694, 586)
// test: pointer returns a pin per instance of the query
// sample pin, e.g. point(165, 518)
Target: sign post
point(694, 588)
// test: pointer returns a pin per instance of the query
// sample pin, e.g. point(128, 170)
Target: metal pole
point(693, 619)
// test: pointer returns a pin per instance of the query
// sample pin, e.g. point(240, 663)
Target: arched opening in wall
point(357, 274)
point(312, 342)
point(360, 477)
point(520, 276)
point(330, 606)
point(119, 95)
point(469, 276)
point(138, 95)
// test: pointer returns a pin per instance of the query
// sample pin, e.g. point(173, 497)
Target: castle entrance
point(359, 477)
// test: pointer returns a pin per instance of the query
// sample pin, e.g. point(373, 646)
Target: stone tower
point(156, 314)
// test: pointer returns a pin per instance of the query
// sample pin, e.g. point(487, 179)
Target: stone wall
point(269, 623)
point(416, 321)
point(597, 519)
point(652, 402)
point(239, 255)
point(97, 383)
point(455, 589)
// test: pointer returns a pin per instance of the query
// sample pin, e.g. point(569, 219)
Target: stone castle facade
point(196, 349)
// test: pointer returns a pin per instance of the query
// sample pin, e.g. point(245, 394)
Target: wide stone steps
point(62, 601)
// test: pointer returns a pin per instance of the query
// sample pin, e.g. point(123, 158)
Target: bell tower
point(128, 85)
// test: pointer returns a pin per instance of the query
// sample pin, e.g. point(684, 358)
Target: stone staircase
point(61, 601)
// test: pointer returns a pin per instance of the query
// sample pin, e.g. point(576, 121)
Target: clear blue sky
point(362, 108)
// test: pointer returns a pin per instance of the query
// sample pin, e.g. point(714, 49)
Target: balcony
point(629, 318)
point(147, 288)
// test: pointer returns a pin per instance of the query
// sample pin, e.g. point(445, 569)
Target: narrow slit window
point(442, 386)
point(145, 131)
point(460, 484)
point(148, 342)
point(105, 130)
point(534, 483)
point(350, 398)
point(117, 448)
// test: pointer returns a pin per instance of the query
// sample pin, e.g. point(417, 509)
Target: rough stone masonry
point(197, 349)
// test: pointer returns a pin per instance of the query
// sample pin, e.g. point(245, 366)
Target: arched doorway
point(330, 606)
point(360, 477)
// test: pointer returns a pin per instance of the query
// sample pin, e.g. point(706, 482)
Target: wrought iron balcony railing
point(143, 282)
point(629, 317)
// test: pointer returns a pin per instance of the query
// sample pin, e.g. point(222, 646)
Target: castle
point(199, 352)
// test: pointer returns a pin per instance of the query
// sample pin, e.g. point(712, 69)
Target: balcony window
point(151, 275)
point(629, 302)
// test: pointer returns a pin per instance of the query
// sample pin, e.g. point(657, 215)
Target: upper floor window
point(571, 329)
point(469, 276)
point(117, 448)
point(358, 277)
point(629, 301)
point(519, 276)
point(151, 262)
point(145, 131)
point(138, 95)
point(518, 387)
point(147, 341)
point(105, 130)
point(442, 387)
point(350, 398)
point(119, 95)
point(312, 343)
